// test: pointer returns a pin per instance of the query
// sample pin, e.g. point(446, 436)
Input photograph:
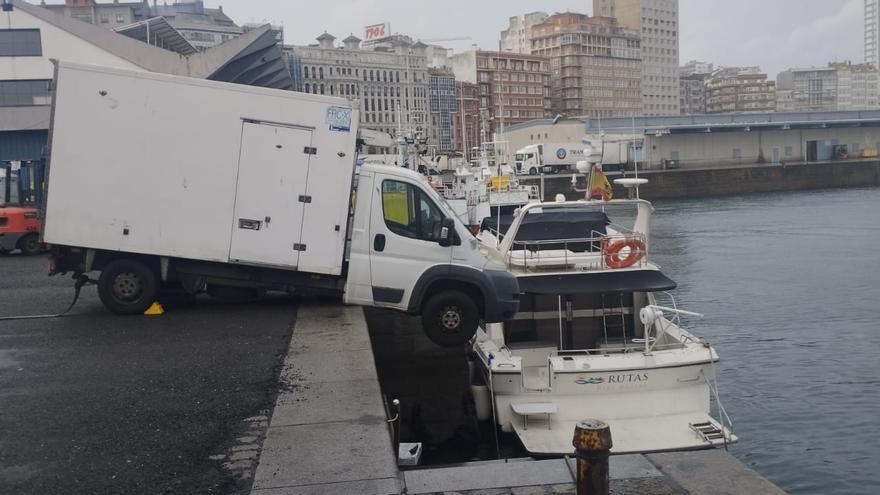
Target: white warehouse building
point(705, 141)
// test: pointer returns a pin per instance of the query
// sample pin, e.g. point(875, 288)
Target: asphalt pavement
point(99, 403)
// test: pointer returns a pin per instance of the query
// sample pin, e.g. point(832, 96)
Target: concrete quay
point(328, 434)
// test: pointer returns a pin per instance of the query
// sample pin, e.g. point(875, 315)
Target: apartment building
point(442, 105)
point(693, 77)
point(872, 32)
point(657, 22)
point(740, 90)
point(596, 65)
point(390, 80)
point(517, 38)
point(468, 118)
point(513, 88)
point(837, 87)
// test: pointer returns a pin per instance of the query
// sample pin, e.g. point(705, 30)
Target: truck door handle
point(248, 224)
point(379, 243)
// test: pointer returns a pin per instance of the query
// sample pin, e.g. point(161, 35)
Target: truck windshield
point(520, 157)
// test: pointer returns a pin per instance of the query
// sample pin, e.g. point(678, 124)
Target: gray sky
point(775, 34)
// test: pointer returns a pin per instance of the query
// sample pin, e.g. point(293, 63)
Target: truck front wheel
point(450, 318)
point(127, 287)
point(533, 171)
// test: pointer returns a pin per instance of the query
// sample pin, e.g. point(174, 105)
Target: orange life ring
point(613, 258)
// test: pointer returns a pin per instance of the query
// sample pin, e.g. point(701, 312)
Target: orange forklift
point(20, 224)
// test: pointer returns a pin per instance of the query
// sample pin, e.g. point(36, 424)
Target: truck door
point(405, 227)
point(272, 174)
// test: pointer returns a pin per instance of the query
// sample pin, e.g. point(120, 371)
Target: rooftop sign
point(377, 31)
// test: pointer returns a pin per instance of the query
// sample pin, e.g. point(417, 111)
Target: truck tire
point(128, 287)
point(30, 245)
point(450, 318)
point(533, 171)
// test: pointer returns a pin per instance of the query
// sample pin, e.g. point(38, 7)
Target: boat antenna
point(464, 147)
point(501, 108)
point(635, 154)
point(401, 140)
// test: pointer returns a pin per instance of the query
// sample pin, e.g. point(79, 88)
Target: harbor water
point(790, 286)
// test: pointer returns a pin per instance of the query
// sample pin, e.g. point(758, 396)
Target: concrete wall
point(738, 180)
point(57, 44)
point(717, 149)
point(464, 66)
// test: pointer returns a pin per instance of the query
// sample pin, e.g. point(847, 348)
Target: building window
point(737, 154)
point(24, 93)
point(120, 18)
point(788, 151)
point(20, 43)
point(105, 18)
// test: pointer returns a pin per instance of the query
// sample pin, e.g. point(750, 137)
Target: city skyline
point(775, 35)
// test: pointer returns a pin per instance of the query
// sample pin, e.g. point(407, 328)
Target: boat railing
point(596, 252)
point(675, 318)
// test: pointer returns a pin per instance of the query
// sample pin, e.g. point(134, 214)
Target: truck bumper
point(505, 304)
point(9, 241)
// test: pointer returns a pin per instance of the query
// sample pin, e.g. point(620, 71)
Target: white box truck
point(157, 181)
point(549, 158)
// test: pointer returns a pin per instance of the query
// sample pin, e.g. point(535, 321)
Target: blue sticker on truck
point(339, 119)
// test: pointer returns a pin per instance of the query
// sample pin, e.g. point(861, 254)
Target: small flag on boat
point(601, 187)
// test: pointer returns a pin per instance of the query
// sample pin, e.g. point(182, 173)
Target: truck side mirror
point(447, 232)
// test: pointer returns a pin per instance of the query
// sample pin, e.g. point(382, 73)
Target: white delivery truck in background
point(163, 181)
point(549, 158)
point(557, 158)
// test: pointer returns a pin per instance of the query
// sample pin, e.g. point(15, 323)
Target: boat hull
point(649, 409)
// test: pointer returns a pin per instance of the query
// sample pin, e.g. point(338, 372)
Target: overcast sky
point(775, 34)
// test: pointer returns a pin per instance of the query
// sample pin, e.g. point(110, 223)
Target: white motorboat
point(475, 193)
point(592, 340)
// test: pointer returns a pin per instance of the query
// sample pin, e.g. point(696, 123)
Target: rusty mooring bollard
point(592, 441)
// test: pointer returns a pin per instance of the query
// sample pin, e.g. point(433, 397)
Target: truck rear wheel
point(128, 287)
point(450, 318)
point(30, 245)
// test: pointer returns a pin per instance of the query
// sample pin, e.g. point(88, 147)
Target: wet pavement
point(98, 403)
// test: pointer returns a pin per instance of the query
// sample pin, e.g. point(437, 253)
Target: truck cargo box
point(194, 169)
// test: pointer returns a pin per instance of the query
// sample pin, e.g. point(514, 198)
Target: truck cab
point(548, 158)
point(528, 160)
point(410, 252)
point(20, 225)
